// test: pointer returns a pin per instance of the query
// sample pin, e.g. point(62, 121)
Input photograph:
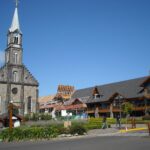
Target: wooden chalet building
point(107, 99)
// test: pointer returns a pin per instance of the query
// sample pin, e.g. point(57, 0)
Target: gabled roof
point(30, 78)
point(46, 99)
point(73, 101)
point(129, 89)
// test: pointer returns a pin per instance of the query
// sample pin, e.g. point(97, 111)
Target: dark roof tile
point(128, 89)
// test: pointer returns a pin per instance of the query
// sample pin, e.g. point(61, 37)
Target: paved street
point(95, 143)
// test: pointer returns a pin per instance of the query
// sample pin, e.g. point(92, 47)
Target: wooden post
point(148, 128)
point(133, 123)
point(10, 116)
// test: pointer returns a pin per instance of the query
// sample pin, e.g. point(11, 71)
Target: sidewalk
point(140, 130)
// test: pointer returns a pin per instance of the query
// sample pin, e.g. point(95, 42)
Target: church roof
point(15, 26)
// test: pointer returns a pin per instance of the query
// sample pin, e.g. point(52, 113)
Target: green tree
point(127, 109)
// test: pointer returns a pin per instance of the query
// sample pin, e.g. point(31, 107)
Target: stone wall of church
point(30, 91)
point(3, 74)
point(3, 91)
point(16, 97)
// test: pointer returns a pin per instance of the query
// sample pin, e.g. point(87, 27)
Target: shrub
point(62, 130)
point(35, 117)
point(45, 117)
point(77, 129)
point(146, 117)
point(18, 134)
point(27, 117)
point(94, 123)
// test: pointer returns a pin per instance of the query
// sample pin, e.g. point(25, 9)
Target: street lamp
point(119, 97)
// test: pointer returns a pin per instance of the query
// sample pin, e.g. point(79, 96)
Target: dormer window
point(96, 96)
point(96, 93)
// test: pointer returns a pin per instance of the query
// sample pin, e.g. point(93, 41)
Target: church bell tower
point(14, 41)
point(17, 84)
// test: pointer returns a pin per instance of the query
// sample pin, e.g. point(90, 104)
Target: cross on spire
point(17, 2)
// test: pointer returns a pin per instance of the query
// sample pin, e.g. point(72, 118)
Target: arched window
point(7, 57)
point(15, 76)
point(15, 40)
point(15, 58)
point(29, 104)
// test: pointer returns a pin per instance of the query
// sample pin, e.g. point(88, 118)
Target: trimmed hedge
point(146, 117)
point(97, 121)
point(94, 123)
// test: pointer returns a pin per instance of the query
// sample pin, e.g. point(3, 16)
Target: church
point(17, 84)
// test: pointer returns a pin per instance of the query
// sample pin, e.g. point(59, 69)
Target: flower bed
point(39, 132)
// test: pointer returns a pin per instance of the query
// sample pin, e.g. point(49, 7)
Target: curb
point(130, 130)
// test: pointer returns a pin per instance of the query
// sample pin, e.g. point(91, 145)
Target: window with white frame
point(15, 76)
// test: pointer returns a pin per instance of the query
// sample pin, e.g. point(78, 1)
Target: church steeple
point(13, 54)
point(14, 32)
point(15, 22)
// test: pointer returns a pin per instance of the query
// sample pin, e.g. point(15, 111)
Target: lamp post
point(120, 102)
point(10, 115)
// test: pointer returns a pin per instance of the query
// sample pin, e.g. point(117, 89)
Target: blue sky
point(81, 42)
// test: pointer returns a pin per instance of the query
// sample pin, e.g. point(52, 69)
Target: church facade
point(17, 84)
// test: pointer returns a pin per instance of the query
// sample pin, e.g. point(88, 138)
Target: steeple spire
point(15, 22)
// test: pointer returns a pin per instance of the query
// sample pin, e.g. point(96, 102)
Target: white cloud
point(2, 57)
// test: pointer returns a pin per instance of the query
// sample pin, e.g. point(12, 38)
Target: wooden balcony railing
point(116, 109)
point(100, 110)
point(104, 110)
point(90, 110)
point(140, 108)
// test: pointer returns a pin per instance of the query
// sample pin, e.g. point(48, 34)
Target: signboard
point(64, 113)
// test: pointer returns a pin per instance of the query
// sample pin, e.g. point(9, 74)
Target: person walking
point(104, 124)
point(118, 123)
